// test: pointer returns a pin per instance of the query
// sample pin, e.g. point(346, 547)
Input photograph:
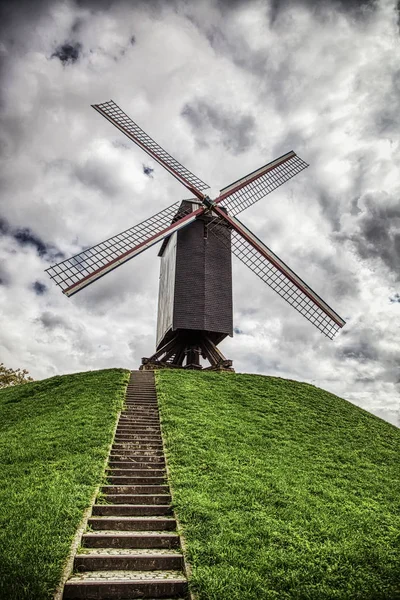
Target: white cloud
point(325, 82)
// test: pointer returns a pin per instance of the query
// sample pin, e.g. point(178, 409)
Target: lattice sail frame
point(276, 274)
point(81, 270)
point(113, 113)
point(250, 189)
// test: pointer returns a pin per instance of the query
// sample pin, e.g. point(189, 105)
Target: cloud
point(395, 298)
point(25, 237)
point(68, 53)
point(40, 288)
point(374, 230)
point(236, 132)
point(148, 171)
point(49, 320)
point(224, 92)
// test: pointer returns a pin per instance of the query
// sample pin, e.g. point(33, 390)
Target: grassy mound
point(283, 490)
point(54, 439)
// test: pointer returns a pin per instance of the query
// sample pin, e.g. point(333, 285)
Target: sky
point(225, 87)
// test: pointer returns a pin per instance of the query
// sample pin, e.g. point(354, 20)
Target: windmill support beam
point(185, 351)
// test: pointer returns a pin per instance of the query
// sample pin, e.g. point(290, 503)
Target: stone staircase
point(131, 548)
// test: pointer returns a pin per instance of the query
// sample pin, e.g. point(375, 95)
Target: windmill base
point(184, 352)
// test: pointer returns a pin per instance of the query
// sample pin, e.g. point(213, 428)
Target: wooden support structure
point(185, 350)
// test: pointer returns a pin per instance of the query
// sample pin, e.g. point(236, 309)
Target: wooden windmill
point(199, 235)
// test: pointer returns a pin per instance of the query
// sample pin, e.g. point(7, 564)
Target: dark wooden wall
point(203, 282)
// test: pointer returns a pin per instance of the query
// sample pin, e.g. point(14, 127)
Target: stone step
point(138, 429)
point(140, 391)
point(128, 560)
point(141, 405)
point(139, 413)
point(148, 407)
point(127, 463)
point(149, 462)
point(138, 498)
point(131, 421)
point(126, 480)
point(135, 437)
point(121, 523)
point(135, 489)
point(131, 510)
point(137, 452)
point(150, 399)
point(135, 420)
point(138, 443)
point(142, 539)
point(125, 584)
point(136, 446)
point(114, 472)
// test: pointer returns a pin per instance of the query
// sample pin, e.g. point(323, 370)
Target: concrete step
point(121, 523)
point(127, 539)
point(125, 584)
point(131, 510)
point(138, 498)
point(112, 560)
point(135, 489)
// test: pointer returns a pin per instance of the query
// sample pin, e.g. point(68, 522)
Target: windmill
point(199, 236)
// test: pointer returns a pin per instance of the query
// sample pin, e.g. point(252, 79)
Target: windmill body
point(198, 237)
point(195, 290)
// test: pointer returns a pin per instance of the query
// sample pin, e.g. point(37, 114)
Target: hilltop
point(55, 436)
point(282, 490)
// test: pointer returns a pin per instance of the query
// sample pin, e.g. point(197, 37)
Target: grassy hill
point(54, 439)
point(283, 490)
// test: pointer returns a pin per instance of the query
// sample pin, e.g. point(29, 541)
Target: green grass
point(54, 438)
point(283, 490)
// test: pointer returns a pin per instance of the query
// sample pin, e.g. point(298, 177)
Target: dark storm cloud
point(4, 228)
point(5, 278)
point(97, 175)
point(26, 237)
point(148, 171)
point(236, 131)
point(395, 299)
point(376, 234)
point(360, 350)
point(358, 8)
point(68, 53)
point(343, 283)
point(39, 288)
point(50, 321)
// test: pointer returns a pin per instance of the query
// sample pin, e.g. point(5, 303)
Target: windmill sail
point(117, 117)
point(250, 189)
point(81, 270)
point(275, 273)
